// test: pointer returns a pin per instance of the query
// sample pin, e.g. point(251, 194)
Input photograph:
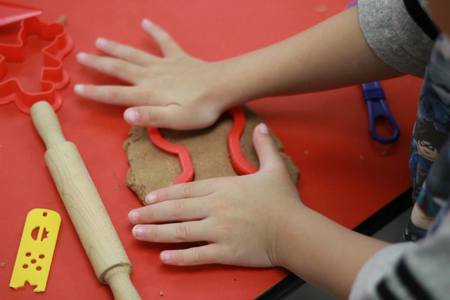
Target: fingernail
point(101, 42)
point(131, 115)
point(79, 88)
point(138, 231)
point(263, 128)
point(82, 56)
point(133, 216)
point(166, 256)
point(146, 23)
point(150, 198)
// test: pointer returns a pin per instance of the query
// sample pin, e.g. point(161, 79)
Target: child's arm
point(324, 253)
point(256, 220)
point(182, 92)
point(331, 54)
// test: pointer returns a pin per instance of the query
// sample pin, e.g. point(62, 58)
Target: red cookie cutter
point(240, 164)
point(53, 76)
point(187, 167)
point(13, 12)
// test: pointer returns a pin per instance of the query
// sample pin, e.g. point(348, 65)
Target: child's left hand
point(239, 217)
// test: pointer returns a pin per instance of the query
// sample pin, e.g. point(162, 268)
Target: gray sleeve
point(394, 36)
point(400, 270)
point(429, 264)
point(374, 269)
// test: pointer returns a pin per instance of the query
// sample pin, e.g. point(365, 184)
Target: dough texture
point(151, 168)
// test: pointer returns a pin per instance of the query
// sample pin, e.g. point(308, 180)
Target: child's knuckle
point(148, 214)
point(195, 256)
point(153, 233)
point(186, 189)
point(181, 232)
point(112, 67)
point(113, 93)
point(224, 229)
point(221, 203)
point(178, 209)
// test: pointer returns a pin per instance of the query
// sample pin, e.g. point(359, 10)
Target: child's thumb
point(267, 151)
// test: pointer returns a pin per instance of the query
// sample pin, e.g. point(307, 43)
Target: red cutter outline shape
point(240, 164)
point(53, 77)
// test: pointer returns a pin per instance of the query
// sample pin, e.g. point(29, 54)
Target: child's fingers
point(124, 52)
point(111, 66)
point(167, 116)
point(181, 191)
point(112, 94)
point(168, 45)
point(152, 116)
point(207, 254)
point(194, 231)
point(170, 211)
point(267, 152)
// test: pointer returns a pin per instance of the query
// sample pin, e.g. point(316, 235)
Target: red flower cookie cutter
point(240, 164)
point(53, 77)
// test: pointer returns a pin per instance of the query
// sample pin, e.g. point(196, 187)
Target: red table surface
point(344, 174)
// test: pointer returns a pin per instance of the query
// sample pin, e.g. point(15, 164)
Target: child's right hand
point(176, 91)
point(242, 219)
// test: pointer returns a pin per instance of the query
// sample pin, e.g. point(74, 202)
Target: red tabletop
point(344, 173)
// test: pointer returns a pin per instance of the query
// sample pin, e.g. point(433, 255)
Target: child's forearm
point(182, 92)
point(322, 252)
point(332, 54)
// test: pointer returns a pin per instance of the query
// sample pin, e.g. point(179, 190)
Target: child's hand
point(239, 218)
point(177, 91)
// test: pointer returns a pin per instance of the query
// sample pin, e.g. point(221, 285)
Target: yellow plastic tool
point(35, 253)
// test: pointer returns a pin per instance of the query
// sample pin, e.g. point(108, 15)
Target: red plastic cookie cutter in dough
point(240, 164)
point(52, 78)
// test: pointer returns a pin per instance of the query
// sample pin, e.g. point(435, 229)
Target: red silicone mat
point(344, 174)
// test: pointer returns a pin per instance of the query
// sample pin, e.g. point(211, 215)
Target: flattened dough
point(151, 168)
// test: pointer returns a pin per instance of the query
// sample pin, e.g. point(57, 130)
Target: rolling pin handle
point(118, 279)
point(46, 123)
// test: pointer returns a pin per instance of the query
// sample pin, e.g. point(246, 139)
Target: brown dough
point(151, 168)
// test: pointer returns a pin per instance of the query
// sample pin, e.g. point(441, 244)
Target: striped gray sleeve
point(393, 35)
point(407, 270)
point(429, 264)
point(374, 270)
point(418, 271)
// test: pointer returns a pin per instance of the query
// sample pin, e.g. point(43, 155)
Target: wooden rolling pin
point(85, 207)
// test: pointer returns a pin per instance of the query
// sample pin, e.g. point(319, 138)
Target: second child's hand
point(174, 91)
point(182, 92)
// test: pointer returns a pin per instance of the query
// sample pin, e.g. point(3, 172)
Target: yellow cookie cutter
point(36, 249)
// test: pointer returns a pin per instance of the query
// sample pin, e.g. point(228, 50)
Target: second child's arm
point(182, 92)
point(329, 55)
